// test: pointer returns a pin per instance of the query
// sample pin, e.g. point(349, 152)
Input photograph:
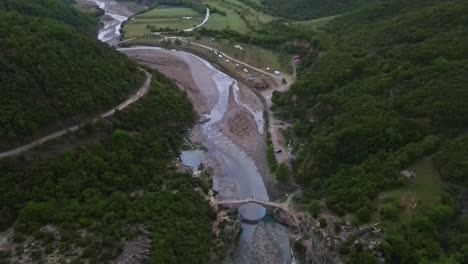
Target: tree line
point(309, 9)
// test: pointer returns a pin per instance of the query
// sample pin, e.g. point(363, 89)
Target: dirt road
point(277, 127)
point(207, 16)
point(140, 93)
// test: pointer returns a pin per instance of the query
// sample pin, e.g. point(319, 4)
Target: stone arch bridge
point(278, 210)
point(235, 204)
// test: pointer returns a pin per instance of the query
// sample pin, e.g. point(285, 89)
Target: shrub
point(364, 215)
point(314, 207)
point(283, 173)
point(389, 211)
point(323, 222)
point(272, 163)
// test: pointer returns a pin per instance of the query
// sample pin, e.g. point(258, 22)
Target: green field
point(161, 18)
point(315, 24)
point(250, 54)
point(216, 22)
point(232, 20)
point(250, 13)
point(423, 191)
point(169, 12)
point(239, 16)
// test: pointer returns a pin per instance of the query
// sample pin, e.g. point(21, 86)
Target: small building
point(408, 174)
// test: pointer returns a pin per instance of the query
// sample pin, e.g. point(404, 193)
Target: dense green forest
point(86, 203)
point(388, 89)
point(310, 9)
point(53, 71)
point(107, 189)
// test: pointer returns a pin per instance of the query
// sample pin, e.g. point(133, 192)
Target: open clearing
point(228, 65)
point(231, 20)
point(315, 24)
point(216, 22)
point(250, 13)
point(168, 12)
point(239, 16)
point(162, 19)
point(422, 191)
point(250, 54)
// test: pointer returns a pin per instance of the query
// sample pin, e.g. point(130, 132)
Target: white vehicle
point(246, 71)
point(268, 69)
point(276, 72)
point(227, 60)
point(220, 56)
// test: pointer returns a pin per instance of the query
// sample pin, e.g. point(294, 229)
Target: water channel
point(236, 175)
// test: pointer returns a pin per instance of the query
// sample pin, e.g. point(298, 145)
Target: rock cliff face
point(332, 241)
point(286, 218)
point(226, 228)
point(309, 244)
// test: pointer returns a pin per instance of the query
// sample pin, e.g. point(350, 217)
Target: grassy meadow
point(161, 19)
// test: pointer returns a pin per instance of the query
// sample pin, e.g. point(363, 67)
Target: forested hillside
point(97, 197)
point(114, 188)
point(389, 88)
point(53, 71)
point(310, 9)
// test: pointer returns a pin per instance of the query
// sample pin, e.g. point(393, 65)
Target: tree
point(364, 215)
point(389, 211)
point(271, 158)
point(283, 173)
point(314, 207)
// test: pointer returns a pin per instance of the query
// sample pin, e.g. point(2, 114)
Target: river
point(233, 134)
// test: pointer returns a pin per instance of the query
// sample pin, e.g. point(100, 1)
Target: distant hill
point(310, 9)
point(53, 71)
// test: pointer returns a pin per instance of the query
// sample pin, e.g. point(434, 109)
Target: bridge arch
point(278, 210)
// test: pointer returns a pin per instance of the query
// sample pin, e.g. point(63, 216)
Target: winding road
point(207, 16)
point(139, 94)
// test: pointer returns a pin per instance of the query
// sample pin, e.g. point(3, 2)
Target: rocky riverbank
point(232, 129)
